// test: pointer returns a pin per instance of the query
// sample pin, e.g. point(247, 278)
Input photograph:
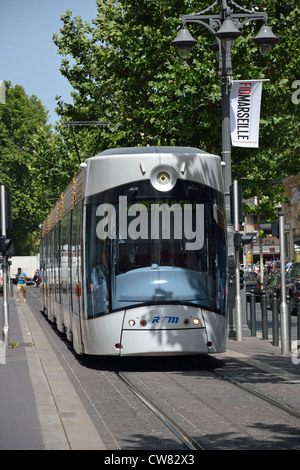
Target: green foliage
point(34, 165)
point(123, 69)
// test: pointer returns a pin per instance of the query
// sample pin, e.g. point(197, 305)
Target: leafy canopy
point(123, 69)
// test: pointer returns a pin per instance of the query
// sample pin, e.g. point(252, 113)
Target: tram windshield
point(147, 247)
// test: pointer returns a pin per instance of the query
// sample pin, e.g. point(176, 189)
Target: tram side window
point(64, 253)
point(56, 256)
point(76, 259)
point(50, 265)
point(96, 256)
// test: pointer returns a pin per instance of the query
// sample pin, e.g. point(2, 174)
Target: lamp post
point(226, 27)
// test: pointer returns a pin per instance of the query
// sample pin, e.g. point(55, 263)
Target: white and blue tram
point(133, 255)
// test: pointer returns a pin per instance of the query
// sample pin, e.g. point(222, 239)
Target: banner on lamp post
point(245, 100)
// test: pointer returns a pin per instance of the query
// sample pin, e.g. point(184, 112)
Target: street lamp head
point(265, 39)
point(184, 41)
point(228, 31)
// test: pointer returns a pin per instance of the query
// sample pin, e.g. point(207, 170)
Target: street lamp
point(265, 40)
point(184, 42)
point(226, 27)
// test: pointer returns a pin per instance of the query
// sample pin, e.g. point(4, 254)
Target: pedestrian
point(21, 284)
point(288, 265)
point(36, 278)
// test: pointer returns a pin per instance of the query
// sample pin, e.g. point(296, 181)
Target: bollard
point(289, 321)
point(275, 320)
point(298, 321)
point(252, 314)
point(264, 314)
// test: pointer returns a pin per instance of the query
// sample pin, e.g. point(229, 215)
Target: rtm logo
point(163, 319)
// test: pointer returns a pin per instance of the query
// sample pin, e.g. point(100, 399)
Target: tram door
point(75, 272)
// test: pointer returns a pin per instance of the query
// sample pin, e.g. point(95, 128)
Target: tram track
point(252, 391)
point(187, 441)
point(210, 426)
point(182, 403)
point(258, 394)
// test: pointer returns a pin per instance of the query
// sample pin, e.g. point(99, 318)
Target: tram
point(133, 255)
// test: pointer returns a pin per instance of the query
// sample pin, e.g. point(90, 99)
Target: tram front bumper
point(164, 342)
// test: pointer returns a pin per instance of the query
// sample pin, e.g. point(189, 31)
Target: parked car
point(252, 283)
point(271, 287)
point(292, 281)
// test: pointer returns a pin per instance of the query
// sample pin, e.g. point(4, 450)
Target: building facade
point(270, 244)
point(291, 214)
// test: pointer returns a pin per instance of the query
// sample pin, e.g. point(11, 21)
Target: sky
point(28, 55)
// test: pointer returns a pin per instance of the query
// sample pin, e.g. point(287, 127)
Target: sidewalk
point(39, 407)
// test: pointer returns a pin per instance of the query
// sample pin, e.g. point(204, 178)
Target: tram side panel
point(65, 242)
point(61, 276)
point(76, 279)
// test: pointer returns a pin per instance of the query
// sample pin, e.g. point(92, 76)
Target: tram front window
point(170, 257)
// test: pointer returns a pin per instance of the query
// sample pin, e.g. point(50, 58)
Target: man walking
point(21, 284)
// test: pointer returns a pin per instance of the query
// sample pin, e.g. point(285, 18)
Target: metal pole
point(289, 320)
point(253, 313)
point(227, 178)
point(5, 308)
point(226, 142)
point(298, 321)
point(264, 315)
point(284, 324)
point(238, 301)
point(275, 320)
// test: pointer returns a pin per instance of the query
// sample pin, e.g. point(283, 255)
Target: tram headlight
point(163, 177)
point(131, 323)
point(195, 321)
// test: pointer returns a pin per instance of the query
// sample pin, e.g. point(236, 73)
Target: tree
point(20, 119)
point(33, 165)
point(123, 69)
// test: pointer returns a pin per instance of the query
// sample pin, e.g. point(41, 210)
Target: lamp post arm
point(206, 9)
point(194, 19)
point(255, 17)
